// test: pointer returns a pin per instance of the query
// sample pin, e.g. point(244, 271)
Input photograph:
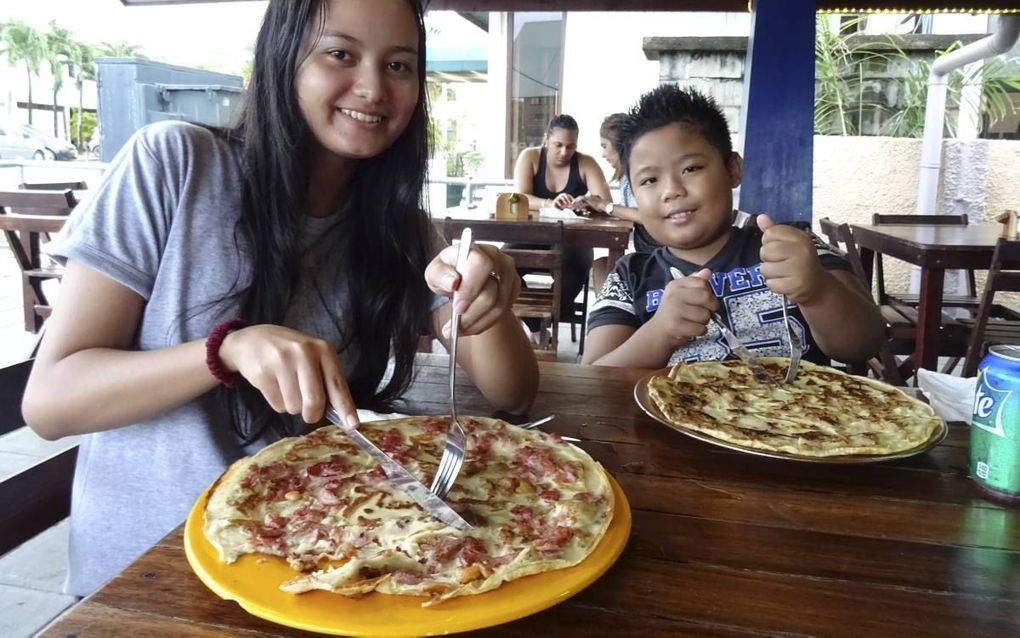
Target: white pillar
point(494, 140)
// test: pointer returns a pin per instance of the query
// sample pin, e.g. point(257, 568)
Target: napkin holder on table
point(511, 206)
point(1008, 219)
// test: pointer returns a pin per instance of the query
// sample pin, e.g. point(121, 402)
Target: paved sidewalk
point(32, 575)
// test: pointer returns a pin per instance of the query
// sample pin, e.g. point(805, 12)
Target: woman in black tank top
point(553, 175)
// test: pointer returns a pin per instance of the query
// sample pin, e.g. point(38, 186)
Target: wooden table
point(935, 249)
point(723, 543)
point(582, 232)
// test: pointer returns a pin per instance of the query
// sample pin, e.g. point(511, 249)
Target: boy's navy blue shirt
point(632, 293)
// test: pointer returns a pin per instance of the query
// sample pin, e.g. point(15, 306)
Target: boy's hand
point(687, 305)
point(789, 261)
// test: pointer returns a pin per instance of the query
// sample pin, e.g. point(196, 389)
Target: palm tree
point(119, 50)
point(59, 43)
point(81, 65)
point(22, 43)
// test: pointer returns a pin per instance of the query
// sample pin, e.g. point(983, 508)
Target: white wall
point(605, 69)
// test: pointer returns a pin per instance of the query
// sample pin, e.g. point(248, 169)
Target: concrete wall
point(605, 68)
point(855, 177)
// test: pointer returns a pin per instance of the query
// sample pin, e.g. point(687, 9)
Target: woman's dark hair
point(384, 237)
point(562, 121)
point(669, 104)
point(611, 130)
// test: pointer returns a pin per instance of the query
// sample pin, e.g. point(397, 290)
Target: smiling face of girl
point(358, 86)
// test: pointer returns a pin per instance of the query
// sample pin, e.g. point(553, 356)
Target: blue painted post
point(777, 118)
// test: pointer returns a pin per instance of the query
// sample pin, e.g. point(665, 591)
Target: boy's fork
point(453, 451)
point(794, 342)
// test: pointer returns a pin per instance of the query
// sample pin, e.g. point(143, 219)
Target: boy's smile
point(684, 190)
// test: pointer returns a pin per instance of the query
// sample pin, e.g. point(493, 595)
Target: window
point(536, 75)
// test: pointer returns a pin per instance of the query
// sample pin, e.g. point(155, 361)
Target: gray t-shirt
point(162, 224)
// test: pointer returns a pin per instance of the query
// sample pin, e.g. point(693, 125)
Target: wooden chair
point(53, 186)
point(26, 217)
point(578, 315)
point(37, 498)
point(900, 320)
point(535, 301)
point(1003, 276)
point(542, 303)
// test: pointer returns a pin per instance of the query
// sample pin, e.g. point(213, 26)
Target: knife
point(758, 371)
point(401, 478)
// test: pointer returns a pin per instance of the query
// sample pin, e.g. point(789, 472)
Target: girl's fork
point(453, 459)
point(453, 451)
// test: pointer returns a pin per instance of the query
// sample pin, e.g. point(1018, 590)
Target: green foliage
point(23, 44)
point(119, 50)
point(845, 95)
point(58, 48)
point(461, 163)
point(85, 122)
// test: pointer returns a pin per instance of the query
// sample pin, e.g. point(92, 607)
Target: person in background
point(677, 153)
point(553, 175)
point(627, 208)
point(223, 286)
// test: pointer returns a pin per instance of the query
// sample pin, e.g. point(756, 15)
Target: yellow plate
point(645, 402)
point(253, 581)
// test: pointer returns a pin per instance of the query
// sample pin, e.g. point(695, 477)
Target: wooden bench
point(53, 186)
point(38, 497)
point(26, 218)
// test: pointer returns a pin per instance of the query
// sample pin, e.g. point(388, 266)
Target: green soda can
point(995, 426)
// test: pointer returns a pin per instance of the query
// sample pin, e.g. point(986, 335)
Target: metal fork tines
point(453, 451)
point(794, 343)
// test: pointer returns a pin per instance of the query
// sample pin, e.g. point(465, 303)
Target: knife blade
point(758, 371)
point(401, 478)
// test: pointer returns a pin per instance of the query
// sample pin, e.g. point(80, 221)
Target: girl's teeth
point(361, 117)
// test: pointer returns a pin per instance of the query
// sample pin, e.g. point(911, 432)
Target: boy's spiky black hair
point(669, 104)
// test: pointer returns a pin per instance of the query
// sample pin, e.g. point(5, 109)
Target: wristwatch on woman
point(609, 208)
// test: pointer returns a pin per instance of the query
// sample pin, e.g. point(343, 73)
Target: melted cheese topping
point(536, 503)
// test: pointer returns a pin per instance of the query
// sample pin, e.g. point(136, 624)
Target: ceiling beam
point(839, 6)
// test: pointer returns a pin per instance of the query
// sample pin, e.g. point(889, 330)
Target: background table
point(935, 249)
point(723, 543)
point(583, 232)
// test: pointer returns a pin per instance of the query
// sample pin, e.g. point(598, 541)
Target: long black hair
point(384, 239)
point(562, 121)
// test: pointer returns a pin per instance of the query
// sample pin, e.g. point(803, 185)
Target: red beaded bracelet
point(212, 351)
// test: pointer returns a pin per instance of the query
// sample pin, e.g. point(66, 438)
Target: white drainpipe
point(1000, 41)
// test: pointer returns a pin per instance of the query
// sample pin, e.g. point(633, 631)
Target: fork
point(453, 452)
point(794, 341)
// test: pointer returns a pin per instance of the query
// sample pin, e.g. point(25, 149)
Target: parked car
point(93, 144)
point(53, 147)
point(15, 143)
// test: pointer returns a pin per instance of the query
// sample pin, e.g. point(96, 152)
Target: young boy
point(680, 161)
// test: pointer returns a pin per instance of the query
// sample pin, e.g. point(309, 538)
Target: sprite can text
point(995, 427)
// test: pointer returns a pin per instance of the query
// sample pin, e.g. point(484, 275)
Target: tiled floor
point(32, 575)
